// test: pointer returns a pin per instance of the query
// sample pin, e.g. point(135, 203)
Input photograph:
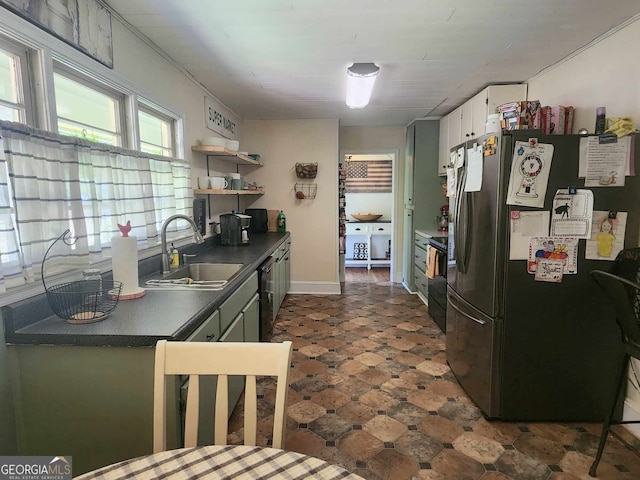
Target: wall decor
point(369, 176)
point(83, 24)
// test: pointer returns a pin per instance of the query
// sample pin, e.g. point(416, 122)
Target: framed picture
point(83, 24)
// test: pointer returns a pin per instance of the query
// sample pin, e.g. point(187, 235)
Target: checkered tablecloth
point(222, 462)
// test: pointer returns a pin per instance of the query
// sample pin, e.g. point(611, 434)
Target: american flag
point(369, 176)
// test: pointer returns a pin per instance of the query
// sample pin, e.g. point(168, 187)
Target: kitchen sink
point(197, 276)
point(206, 272)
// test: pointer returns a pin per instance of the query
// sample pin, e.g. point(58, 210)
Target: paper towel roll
point(124, 259)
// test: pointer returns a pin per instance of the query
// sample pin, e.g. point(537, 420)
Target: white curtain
point(50, 183)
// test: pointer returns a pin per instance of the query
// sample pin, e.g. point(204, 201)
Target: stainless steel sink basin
point(197, 276)
point(206, 272)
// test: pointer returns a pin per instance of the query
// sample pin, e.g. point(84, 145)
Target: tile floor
point(372, 392)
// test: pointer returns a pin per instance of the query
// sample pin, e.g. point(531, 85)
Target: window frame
point(158, 112)
point(24, 78)
point(87, 81)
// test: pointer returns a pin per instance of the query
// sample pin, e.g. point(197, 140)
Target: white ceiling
point(287, 59)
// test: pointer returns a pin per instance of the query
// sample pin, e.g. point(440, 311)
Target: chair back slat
point(191, 414)
point(221, 359)
point(250, 411)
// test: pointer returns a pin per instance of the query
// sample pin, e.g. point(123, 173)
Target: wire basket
point(306, 170)
point(306, 191)
point(85, 301)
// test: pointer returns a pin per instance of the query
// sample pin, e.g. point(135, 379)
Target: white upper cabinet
point(468, 120)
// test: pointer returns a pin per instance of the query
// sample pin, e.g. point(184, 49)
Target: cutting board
point(272, 219)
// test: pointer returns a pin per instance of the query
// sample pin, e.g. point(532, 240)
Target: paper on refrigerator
point(523, 227)
point(572, 213)
point(473, 182)
point(529, 174)
point(605, 164)
point(607, 235)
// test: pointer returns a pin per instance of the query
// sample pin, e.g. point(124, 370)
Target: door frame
point(396, 237)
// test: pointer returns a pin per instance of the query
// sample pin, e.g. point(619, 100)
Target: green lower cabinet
point(92, 403)
point(96, 403)
point(251, 317)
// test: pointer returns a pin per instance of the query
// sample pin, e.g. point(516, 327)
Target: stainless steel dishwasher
point(265, 289)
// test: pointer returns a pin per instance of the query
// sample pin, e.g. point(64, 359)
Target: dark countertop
point(159, 314)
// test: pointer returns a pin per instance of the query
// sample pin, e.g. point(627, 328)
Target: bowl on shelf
point(366, 217)
point(214, 141)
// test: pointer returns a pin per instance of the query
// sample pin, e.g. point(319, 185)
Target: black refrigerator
point(523, 349)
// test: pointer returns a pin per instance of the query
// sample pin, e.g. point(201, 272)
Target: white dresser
point(368, 244)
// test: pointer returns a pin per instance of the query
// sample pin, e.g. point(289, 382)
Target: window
point(87, 110)
point(14, 97)
point(156, 132)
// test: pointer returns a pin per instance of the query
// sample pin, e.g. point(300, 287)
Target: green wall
point(8, 444)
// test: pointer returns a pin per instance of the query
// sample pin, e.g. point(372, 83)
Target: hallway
point(371, 391)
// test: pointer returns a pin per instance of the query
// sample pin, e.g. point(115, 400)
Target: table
point(222, 462)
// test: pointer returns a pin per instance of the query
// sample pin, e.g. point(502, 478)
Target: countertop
point(159, 314)
point(440, 238)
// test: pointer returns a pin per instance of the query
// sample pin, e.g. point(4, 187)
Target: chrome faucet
point(197, 236)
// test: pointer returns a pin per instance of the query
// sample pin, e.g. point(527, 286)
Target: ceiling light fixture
point(360, 80)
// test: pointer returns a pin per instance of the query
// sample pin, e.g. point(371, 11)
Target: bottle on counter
point(175, 258)
point(282, 222)
point(601, 120)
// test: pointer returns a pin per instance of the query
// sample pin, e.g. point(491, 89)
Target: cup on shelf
point(203, 183)
point(218, 183)
point(228, 179)
point(237, 184)
point(235, 175)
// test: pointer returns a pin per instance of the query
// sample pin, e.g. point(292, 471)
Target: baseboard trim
point(631, 412)
point(315, 288)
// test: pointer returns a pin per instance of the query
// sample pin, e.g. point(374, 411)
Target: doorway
point(367, 211)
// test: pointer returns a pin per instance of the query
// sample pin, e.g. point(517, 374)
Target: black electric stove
point(437, 286)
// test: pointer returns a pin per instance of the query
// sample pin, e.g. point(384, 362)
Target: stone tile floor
point(372, 392)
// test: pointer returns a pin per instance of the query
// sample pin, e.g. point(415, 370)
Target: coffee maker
point(234, 229)
point(443, 219)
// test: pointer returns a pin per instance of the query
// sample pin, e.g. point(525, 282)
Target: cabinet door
point(235, 333)
point(409, 155)
point(251, 317)
point(455, 127)
point(466, 121)
point(287, 272)
point(479, 114)
point(443, 146)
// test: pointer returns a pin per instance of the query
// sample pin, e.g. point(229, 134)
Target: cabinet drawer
point(357, 228)
point(420, 241)
point(230, 309)
point(420, 280)
point(420, 259)
point(208, 331)
point(381, 229)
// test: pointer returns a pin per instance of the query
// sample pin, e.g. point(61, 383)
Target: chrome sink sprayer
point(197, 236)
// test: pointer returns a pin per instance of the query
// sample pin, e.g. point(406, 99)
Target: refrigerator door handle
point(456, 225)
point(477, 320)
point(462, 243)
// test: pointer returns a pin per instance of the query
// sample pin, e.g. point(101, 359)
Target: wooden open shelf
point(228, 192)
point(229, 155)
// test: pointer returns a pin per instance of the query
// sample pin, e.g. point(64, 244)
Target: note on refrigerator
point(524, 226)
point(604, 164)
point(529, 174)
point(607, 235)
point(473, 181)
point(572, 213)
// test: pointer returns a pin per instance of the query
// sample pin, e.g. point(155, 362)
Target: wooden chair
point(624, 296)
point(221, 359)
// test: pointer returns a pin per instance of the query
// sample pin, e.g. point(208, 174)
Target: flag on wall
point(371, 176)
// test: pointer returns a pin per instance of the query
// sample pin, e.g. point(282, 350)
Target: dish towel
point(432, 262)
